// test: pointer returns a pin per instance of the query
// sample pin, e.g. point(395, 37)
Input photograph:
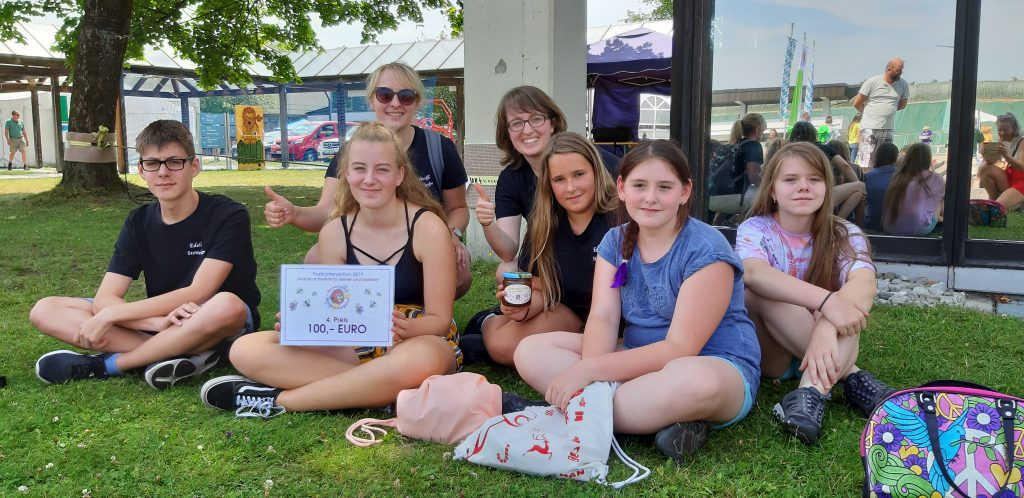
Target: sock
point(110, 363)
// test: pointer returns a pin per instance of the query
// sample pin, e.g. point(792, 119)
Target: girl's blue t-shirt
point(650, 293)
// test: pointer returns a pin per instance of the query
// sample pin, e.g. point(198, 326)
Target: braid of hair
point(632, 231)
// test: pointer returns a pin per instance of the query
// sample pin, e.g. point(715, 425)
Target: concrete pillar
point(826, 106)
point(512, 43)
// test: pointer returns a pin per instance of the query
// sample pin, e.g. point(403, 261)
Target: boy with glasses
point(195, 250)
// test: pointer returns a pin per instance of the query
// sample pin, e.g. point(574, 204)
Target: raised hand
point(484, 206)
point(279, 211)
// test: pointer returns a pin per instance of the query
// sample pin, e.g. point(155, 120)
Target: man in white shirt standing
point(878, 100)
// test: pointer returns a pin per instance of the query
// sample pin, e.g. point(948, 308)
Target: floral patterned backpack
point(945, 439)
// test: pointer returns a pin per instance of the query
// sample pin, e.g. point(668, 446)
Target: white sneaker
point(164, 374)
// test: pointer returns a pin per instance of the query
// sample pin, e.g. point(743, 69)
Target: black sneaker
point(475, 324)
point(512, 402)
point(58, 367)
point(864, 392)
point(243, 396)
point(800, 413)
point(474, 352)
point(681, 439)
point(164, 374)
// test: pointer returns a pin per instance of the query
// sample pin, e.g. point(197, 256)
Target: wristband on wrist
point(823, 301)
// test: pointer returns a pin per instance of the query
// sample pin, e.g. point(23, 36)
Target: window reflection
point(833, 53)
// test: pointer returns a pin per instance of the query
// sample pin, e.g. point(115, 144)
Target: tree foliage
point(224, 38)
point(660, 10)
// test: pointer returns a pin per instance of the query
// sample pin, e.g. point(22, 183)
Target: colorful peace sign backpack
point(945, 439)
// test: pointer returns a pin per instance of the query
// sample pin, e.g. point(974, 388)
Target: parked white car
point(332, 146)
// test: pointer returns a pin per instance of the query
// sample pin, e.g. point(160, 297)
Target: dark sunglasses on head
point(385, 95)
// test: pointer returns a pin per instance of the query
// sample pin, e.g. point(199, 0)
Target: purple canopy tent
point(619, 68)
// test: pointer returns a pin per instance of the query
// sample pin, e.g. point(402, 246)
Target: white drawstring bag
point(545, 441)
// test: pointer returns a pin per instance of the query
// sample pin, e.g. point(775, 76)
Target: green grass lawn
point(119, 437)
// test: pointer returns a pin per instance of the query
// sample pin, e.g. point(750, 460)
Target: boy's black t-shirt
point(169, 255)
point(513, 195)
point(453, 173)
point(575, 256)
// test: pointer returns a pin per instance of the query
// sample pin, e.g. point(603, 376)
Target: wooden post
point(57, 124)
point(37, 132)
point(122, 167)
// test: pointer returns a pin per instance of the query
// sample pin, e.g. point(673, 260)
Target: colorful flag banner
point(809, 86)
point(787, 68)
point(794, 110)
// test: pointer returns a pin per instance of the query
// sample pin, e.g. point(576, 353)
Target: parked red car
point(304, 140)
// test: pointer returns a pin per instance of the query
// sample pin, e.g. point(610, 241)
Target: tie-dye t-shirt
point(762, 237)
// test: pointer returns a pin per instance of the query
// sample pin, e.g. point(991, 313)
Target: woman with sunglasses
point(395, 92)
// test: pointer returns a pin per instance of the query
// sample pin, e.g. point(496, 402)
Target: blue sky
point(853, 40)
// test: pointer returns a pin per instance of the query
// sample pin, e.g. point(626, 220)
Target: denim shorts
point(749, 393)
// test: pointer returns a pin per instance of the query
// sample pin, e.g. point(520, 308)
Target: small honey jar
point(518, 290)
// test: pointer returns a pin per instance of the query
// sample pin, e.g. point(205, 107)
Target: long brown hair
point(543, 222)
point(674, 157)
point(523, 99)
point(829, 235)
point(410, 190)
point(916, 162)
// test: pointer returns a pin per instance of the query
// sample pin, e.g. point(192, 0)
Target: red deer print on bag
point(545, 450)
point(516, 421)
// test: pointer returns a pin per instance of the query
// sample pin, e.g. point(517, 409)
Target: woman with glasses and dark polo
point(395, 92)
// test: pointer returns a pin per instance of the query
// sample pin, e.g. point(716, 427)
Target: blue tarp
point(620, 68)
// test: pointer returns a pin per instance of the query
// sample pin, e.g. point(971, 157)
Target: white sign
point(337, 305)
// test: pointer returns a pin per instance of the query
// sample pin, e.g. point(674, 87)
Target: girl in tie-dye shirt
point(809, 287)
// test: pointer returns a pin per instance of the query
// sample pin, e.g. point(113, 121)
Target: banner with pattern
point(787, 68)
point(809, 85)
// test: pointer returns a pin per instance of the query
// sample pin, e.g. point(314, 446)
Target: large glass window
point(805, 60)
point(654, 116)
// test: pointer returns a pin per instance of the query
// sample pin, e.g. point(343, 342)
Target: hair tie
point(620, 275)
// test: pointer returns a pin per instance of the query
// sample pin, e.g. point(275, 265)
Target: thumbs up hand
point(279, 211)
point(484, 207)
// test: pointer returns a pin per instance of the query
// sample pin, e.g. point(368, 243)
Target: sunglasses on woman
point(385, 95)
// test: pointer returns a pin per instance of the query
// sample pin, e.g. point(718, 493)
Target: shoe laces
point(257, 406)
point(865, 387)
point(809, 401)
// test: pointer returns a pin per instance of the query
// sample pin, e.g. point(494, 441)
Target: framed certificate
point(337, 305)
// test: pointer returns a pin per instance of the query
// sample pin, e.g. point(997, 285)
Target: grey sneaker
point(681, 439)
point(863, 391)
point(800, 413)
point(243, 396)
point(58, 367)
point(164, 374)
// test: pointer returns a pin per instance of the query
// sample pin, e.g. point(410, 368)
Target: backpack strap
point(369, 427)
point(639, 471)
point(436, 155)
point(926, 401)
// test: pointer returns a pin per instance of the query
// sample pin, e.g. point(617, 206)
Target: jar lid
point(517, 274)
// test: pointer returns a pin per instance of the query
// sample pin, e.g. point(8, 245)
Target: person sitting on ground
point(526, 119)
point(381, 209)
point(877, 182)
point(196, 253)
point(1006, 184)
point(913, 202)
point(573, 209)
point(395, 93)
point(810, 285)
point(843, 149)
point(848, 191)
point(746, 168)
point(689, 355)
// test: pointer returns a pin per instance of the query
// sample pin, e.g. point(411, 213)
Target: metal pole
point(227, 141)
point(283, 114)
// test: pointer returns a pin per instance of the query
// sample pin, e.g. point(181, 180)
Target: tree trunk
point(102, 43)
